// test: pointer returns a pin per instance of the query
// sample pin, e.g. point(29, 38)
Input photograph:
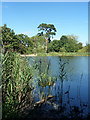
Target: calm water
point(66, 78)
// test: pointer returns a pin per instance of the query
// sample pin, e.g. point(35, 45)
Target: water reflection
point(66, 78)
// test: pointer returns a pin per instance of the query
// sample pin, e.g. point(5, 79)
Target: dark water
point(66, 78)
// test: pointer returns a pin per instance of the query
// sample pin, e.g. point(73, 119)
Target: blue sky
point(68, 17)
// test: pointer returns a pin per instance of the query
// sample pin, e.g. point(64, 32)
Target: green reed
point(44, 78)
point(17, 80)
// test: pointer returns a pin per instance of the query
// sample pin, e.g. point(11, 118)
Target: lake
point(66, 79)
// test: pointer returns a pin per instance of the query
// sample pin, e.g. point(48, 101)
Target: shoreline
point(29, 55)
point(55, 54)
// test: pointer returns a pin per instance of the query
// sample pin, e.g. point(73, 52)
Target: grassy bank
point(64, 54)
point(60, 54)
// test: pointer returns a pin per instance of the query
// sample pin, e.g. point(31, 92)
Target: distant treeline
point(65, 44)
point(27, 45)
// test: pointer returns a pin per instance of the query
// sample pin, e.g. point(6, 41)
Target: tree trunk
point(46, 43)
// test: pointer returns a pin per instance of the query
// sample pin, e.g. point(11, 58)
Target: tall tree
point(48, 30)
point(12, 41)
point(7, 37)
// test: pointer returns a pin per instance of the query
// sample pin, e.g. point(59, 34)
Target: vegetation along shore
point(57, 54)
point(19, 74)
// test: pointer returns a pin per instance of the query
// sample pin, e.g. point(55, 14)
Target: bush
point(84, 49)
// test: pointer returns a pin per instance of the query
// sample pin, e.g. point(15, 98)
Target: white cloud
point(28, 32)
point(55, 38)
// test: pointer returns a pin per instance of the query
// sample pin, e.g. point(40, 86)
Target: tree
point(72, 44)
point(12, 41)
point(38, 43)
point(80, 45)
point(54, 46)
point(63, 40)
point(7, 37)
point(49, 31)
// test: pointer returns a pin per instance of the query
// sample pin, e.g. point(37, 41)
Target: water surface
point(66, 78)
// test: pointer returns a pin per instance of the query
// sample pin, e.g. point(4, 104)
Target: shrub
point(84, 49)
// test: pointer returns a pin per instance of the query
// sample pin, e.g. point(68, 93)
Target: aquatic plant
point(16, 76)
point(44, 78)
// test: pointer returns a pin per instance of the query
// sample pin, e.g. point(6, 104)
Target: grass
point(64, 54)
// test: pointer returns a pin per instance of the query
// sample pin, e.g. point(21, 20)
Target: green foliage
point(62, 49)
point(44, 76)
point(63, 40)
point(45, 80)
point(88, 47)
point(64, 54)
point(80, 45)
point(17, 74)
point(39, 43)
point(84, 49)
point(55, 46)
point(65, 44)
point(49, 29)
point(19, 43)
point(7, 36)
point(72, 44)
point(11, 41)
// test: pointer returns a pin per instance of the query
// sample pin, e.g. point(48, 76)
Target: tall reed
point(17, 79)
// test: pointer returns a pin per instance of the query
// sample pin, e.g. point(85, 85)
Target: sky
point(45, 0)
point(69, 18)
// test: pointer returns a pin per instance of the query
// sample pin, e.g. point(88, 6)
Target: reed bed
point(17, 84)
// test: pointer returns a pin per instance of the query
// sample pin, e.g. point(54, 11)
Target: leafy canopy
point(49, 29)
